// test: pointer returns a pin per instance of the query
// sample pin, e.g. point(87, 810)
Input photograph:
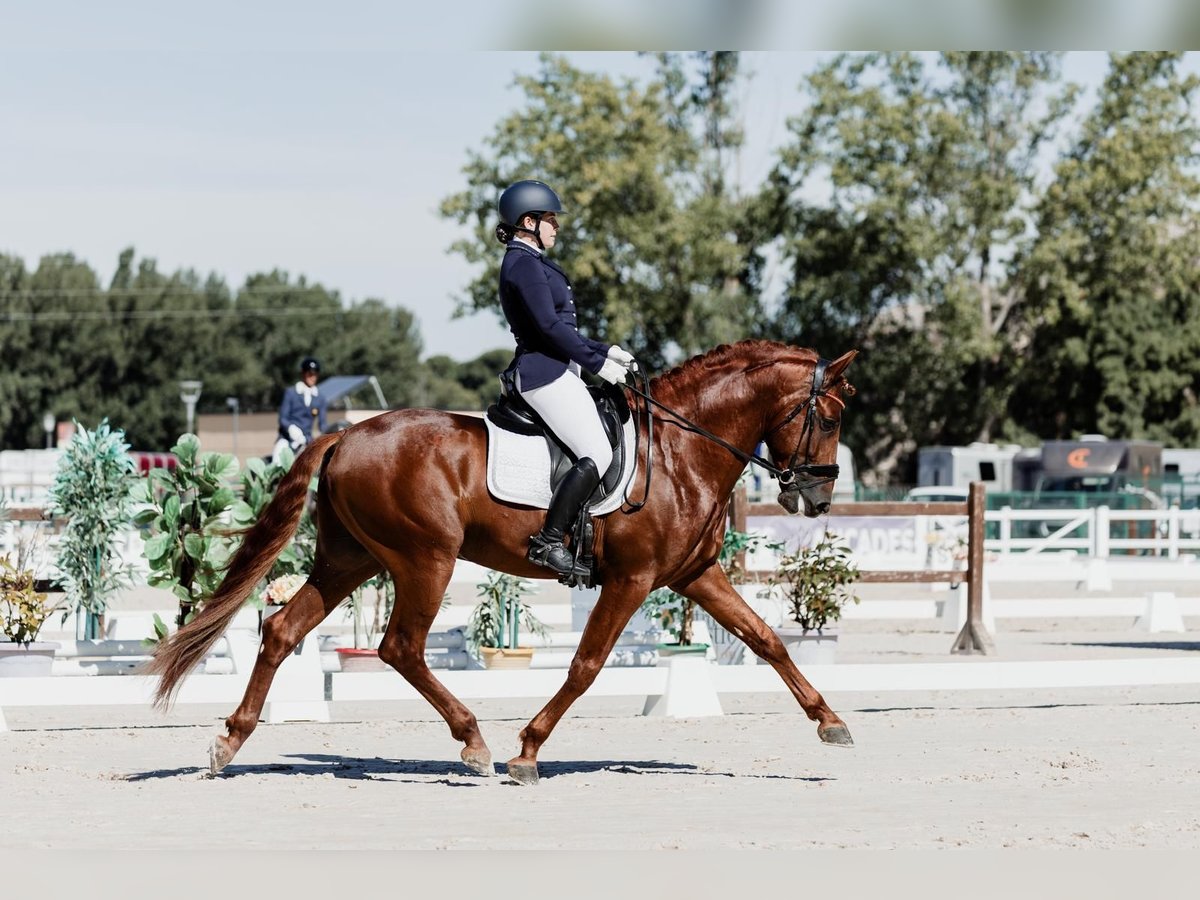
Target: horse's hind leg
point(341, 565)
point(717, 597)
point(420, 585)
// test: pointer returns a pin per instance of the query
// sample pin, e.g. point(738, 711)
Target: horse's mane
point(687, 377)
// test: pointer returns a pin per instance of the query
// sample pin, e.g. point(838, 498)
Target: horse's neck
point(731, 408)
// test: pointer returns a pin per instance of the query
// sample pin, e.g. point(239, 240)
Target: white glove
point(620, 355)
point(612, 372)
point(296, 436)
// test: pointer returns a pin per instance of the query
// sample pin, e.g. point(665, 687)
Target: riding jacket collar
point(521, 245)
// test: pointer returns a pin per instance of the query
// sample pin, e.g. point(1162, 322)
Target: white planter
point(34, 660)
point(809, 648)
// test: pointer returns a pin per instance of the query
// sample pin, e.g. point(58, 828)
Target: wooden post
point(974, 637)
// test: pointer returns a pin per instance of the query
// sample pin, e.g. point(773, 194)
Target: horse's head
point(802, 436)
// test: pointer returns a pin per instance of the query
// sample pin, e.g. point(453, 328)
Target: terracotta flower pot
point(355, 659)
point(506, 657)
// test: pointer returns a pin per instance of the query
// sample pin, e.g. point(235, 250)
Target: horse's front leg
point(618, 601)
point(716, 596)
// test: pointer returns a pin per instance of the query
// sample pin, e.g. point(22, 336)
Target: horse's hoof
point(219, 755)
point(522, 772)
point(836, 735)
point(478, 761)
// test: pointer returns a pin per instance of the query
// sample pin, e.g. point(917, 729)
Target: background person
point(302, 404)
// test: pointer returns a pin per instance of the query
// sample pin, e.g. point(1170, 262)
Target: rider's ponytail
point(504, 233)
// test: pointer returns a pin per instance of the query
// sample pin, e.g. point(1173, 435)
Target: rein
point(814, 475)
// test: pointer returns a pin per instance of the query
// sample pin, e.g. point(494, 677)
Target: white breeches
point(566, 406)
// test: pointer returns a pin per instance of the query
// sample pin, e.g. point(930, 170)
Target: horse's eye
point(827, 425)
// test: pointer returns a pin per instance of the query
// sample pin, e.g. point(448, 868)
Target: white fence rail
point(1090, 531)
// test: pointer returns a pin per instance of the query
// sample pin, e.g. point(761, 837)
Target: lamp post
point(48, 427)
point(189, 393)
point(233, 403)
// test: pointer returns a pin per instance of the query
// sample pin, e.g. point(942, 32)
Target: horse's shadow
point(444, 771)
point(1137, 645)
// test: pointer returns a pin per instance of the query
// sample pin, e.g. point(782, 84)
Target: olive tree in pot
point(493, 629)
point(814, 584)
point(92, 491)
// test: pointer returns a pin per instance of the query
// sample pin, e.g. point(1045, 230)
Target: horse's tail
point(177, 655)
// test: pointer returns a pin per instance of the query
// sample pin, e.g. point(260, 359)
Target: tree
point(1111, 281)
point(649, 239)
point(898, 199)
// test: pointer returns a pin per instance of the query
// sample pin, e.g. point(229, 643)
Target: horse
point(406, 492)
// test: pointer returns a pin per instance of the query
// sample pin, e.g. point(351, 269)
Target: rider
point(537, 301)
point(301, 404)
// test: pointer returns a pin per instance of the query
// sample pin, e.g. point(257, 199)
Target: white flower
point(283, 589)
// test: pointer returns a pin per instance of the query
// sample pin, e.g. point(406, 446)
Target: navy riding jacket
point(294, 411)
point(536, 297)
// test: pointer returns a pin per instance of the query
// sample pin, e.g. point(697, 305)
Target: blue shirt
point(535, 295)
point(296, 411)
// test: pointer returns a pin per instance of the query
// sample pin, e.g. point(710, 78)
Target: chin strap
point(537, 228)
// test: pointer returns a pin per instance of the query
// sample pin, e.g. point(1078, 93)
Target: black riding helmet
point(309, 364)
point(526, 198)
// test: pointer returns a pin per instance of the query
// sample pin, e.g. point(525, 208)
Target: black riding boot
point(546, 548)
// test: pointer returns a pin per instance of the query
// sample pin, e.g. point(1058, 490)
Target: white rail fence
point(1090, 531)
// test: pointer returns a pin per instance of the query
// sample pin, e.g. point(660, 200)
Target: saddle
point(512, 414)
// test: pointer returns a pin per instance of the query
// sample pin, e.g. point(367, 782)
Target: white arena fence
point(678, 687)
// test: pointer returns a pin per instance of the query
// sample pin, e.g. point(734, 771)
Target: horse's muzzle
point(790, 501)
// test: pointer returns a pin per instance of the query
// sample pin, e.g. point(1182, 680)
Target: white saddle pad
point(518, 469)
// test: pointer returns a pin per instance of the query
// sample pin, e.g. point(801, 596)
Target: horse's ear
point(838, 366)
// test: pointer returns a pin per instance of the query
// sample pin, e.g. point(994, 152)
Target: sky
point(320, 160)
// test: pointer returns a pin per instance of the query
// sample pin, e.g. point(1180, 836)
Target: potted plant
point(23, 612)
point(493, 629)
point(91, 490)
point(677, 616)
point(188, 512)
point(814, 584)
point(363, 656)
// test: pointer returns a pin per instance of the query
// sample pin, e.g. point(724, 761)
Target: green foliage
point(189, 512)
point(674, 612)
point(23, 610)
point(650, 237)
point(1111, 276)
point(923, 174)
point(814, 581)
point(734, 546)
point(119, 351)
point(496, 619)
point(92, 491)
point(259, 481)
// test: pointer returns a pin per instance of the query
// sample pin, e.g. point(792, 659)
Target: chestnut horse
point(406, 492)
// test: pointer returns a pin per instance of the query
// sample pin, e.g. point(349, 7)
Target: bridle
point(806, 475)
point(793, 477)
